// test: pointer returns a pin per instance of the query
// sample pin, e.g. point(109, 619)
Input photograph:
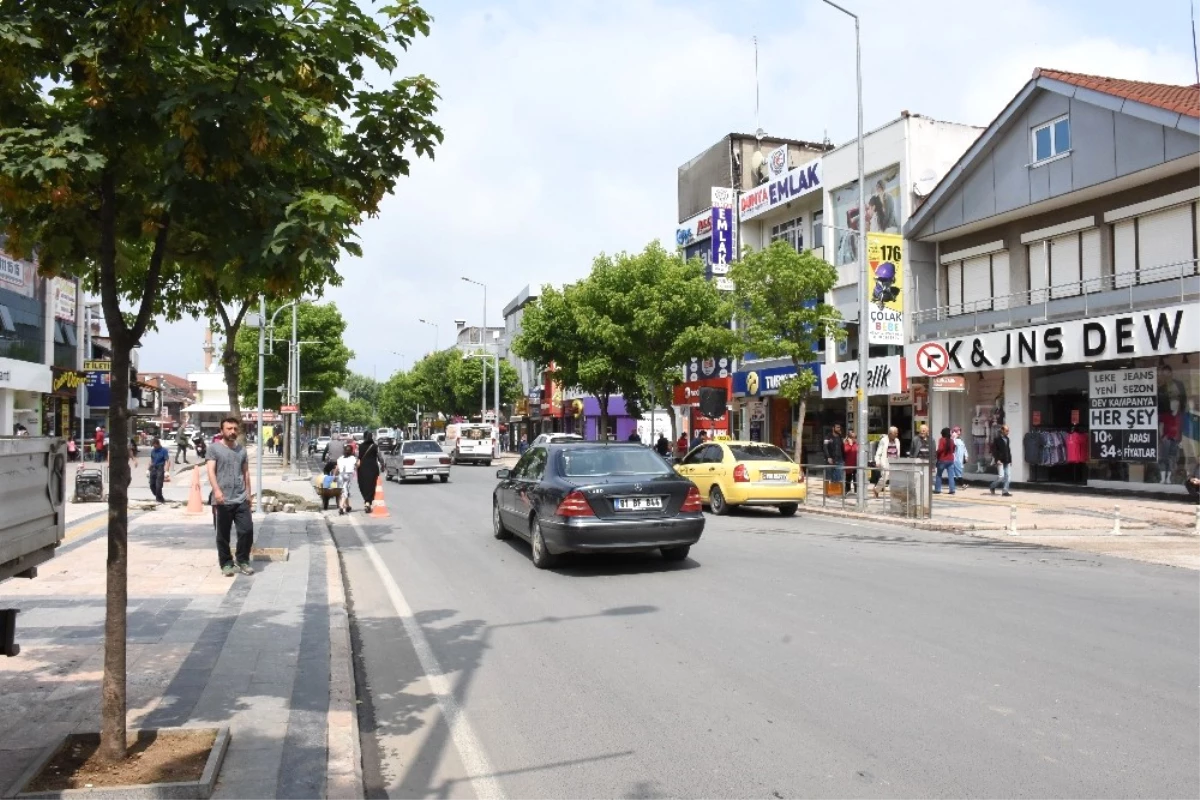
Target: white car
point(322, 447)
point(556, 438)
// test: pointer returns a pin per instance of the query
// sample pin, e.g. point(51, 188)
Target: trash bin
point(910, 484)
point(89, 486)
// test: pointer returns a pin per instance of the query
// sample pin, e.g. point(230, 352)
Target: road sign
point(932, 359)
point(948, 383)
point(288, 409)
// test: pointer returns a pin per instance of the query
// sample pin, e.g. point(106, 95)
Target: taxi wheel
point(716, 501)
point(788, 509)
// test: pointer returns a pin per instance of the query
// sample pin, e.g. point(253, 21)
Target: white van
point(471, 442)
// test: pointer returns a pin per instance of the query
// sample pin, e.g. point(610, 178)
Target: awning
point(206, 408)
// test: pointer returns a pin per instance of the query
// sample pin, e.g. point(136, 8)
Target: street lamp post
point(863, 295)
point(435, 332)
point(496, 363)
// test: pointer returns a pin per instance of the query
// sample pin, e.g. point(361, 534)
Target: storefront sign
point(16, 276)
point(696, 229)
point(99, 388)
point(97, 366)
point(67, 380)
point(688, 394)
point(948, 383)
point(1123, 414)
point(884, 376)
point(64, 298)
point(24, 376)
point(700, 369)
point(1175, 329)
point(886, 314)
point(722, 240)
point(762, 382)
point(802, 180)
point(901, 399)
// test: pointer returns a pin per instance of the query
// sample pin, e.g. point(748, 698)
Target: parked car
point(596, 497)
point(321, 446)
point(729, 474)
point(422, 458)
point(556, 438)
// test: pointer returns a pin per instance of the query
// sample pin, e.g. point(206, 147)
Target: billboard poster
point(1123, 414)
point(64, 299)
point(883, 212)
point(885, 260)
point(722, 240)
point(99, 389)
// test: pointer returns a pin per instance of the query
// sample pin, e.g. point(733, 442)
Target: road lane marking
point(470, 749)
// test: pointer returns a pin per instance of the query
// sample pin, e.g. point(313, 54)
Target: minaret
point(208, 349)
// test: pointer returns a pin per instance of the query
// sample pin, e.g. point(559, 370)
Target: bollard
point(1012, 520)
point(1116, 528)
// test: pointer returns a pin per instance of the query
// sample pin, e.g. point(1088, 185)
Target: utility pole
point(295, 383)
point(262, 355)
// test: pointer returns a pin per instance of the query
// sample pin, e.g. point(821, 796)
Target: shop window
point(818, 232)
point(6, 321)
point(789, 232)
point(1051, 140)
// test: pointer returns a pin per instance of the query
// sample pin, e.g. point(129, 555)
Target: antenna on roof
point(758, 131)
point(1195, 58)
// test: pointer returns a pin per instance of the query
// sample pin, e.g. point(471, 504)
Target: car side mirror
point(502, 474)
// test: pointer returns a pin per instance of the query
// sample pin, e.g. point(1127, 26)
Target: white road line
point(470, 749)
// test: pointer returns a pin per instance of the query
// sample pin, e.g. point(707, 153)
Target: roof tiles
point(1179, 99)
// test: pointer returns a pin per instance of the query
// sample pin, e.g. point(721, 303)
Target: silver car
point(417, 459)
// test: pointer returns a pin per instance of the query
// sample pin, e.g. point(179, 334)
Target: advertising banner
point(886, 261)
point(722, 240)
point(1123, 414)
point(64, 299)
point(785, 188)
point(16, 276)
point(883, 212)
point(99, 389)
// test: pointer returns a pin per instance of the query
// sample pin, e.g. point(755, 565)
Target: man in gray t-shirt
point(229, 477)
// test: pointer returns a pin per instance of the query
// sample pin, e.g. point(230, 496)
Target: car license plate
point(637, 503)
point(773, 476)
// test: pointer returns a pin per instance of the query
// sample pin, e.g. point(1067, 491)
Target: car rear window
point(757, 452)
point(422, 447)
point(591, 462)
point(475, 433)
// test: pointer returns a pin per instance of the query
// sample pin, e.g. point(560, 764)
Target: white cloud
point(565, 123)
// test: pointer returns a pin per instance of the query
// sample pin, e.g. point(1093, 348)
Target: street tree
point(430, 381)
point(136, 135)
point(398, 400)
point(469, 377)
point(324, 366)
point(354, 413)
point(362, 387)
point(780, 297)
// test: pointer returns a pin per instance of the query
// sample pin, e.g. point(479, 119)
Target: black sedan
point(591, 497)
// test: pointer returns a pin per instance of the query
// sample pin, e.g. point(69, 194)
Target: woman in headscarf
point(368, 469)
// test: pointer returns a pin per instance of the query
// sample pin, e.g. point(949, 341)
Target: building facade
point(1062, 250)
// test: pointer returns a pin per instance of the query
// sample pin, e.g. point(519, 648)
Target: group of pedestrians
point(949, 455)
point(365, 461)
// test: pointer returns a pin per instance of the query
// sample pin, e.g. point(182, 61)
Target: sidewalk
point(1157, 531)
point(267, 655)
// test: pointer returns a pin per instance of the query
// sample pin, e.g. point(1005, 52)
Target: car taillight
point(444, 460)
point(575, 505)
point(692, 505)
point(408, 462)
point(741, 474)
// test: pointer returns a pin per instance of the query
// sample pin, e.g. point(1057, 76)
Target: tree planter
point(200, 789)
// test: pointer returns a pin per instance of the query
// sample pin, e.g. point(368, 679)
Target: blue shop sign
point(764, 382)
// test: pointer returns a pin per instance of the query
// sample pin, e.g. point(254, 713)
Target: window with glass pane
point(790, 232)
point(818, 233)
point(1052, 139)
point(1062, 136)
point(1041, 143)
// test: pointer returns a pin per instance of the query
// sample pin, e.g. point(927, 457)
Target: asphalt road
point(785, 658)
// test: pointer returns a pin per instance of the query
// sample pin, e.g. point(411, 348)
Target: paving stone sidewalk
point(267, 655)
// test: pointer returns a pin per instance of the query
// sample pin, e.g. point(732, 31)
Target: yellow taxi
point(730, 473)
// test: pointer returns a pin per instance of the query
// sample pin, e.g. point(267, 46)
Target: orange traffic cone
point(379, 505)
point(195, 504)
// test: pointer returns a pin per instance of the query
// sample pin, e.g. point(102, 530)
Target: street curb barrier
point(1116, 528)
point(1012, 519)
point(344, 769)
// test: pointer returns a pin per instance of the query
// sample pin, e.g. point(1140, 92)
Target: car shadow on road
point(598, 565)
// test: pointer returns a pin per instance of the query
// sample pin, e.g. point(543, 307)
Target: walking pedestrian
point(229, 477)
point(663, 445)
point(960, 454)
point(71, 449)
point(945, 462)
point(888, 448)
point(850, 459)
point(99, 440)
point(635, 437)
point(345, 472)
point(181, 446)
point(681, 446)
point(368, 466)
point(1002, 452)
point(159, 458)
point(835, 454)
point(523, 446)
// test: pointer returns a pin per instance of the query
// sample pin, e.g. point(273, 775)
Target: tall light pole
point(435, 332)
point(864, 452)
point(262, 356)
point(496, 363)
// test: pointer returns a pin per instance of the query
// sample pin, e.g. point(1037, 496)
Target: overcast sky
point(565, 123)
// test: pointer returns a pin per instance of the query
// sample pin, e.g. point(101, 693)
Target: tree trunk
point(602, 431)
point(231, 363)
point(113, 734)
point(799, 437)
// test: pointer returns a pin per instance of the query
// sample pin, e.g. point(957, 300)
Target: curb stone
point(950, 527)
point(343, 749)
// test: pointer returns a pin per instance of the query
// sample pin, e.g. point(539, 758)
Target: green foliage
point(448, 383)
point(323, 366)
point(362, 387)
point(398, 400)
point(350, 413)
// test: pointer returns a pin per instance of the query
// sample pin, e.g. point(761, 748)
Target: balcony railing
point(1124, 291)
point(23, 348)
